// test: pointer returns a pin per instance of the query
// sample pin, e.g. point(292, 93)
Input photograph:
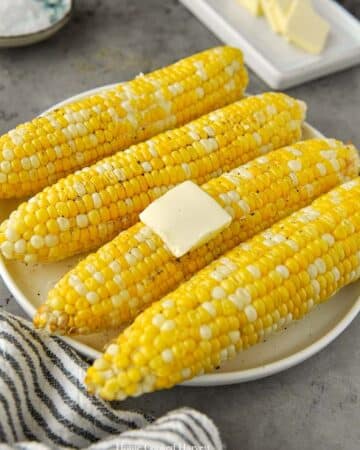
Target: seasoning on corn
point(88, 208)
point(238, 300)
point(110, 287)
point(37, 153)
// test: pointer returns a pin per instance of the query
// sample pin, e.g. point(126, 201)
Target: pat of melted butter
point(185, 218)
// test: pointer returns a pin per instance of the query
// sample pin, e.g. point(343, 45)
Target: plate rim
point(212, 379)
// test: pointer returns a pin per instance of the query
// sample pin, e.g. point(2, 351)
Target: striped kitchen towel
point(44, 404)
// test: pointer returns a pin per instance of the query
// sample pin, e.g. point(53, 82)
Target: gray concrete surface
point(312, 406)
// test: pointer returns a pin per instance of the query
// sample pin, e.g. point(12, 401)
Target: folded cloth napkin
point(44, 404)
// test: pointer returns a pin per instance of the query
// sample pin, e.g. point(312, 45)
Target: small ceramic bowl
point(56, 12)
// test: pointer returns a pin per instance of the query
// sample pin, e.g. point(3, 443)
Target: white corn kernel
point(295, 165)
point(320, 265)
point(8, 154)
point(20, 246)
point(115, 266)
point(336, 273)
point(82, 220)
point(254, 270)
point(158, 320)
point(251, 313)
point(11, 234)
point(63, 223)
point(92, 297)
point(205, 332)
point(168, 325)
point(234, 336)
point(167, 303)
point(113, 349)
point(7, 249)
point(99, 277)
point(96, 200)
point(37, 241)
point(312, 271)
point(322, 169)
point(90, 268)
point(186, 373)
point(218, 292)
point(329, 238)
point(283, 271)
point(167, 355)
point(210, 308)
point(117, 279)
point(51, 240)
point(80, 189)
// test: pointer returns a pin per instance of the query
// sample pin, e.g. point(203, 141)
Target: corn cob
point(87, 209)
point(110, 287)
point(38, 153)
point(238, 300)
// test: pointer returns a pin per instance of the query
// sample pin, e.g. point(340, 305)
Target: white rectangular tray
point(279, 63)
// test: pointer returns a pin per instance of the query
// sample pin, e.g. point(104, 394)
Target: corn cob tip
point(97, 375)
point(135, 382)
point(54, 322)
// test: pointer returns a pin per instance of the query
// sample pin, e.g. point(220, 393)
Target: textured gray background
point(312, 406)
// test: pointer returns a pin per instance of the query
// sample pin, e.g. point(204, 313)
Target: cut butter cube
point(254, 6)
point(305, 28)
point(281, 12)
point(268, 7)
point(185, 218)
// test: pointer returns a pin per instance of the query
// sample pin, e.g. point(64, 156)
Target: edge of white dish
point(255, 54)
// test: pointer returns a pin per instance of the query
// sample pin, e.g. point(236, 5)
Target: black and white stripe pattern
point(44, 404)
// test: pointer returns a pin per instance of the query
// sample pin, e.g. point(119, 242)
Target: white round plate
point(30, 284)
point(58, 16)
